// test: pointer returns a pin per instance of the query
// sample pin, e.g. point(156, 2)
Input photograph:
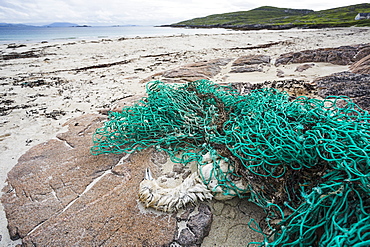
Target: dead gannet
point(170, 200)
point(189, 191)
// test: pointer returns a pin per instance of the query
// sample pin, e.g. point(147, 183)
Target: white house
point(361, 16)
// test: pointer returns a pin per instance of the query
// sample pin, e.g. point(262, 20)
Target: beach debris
point(7, 109)
point(55, 114)
point(16, 55)
point(191, 190)
point(14, 46)
point(257, 46)
point(199, 186)
point(300, 158)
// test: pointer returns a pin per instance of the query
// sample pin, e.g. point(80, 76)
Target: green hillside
point(267, 16)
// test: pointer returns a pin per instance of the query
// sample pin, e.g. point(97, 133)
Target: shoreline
point(60, 81)
point(186, 31)
point(35, 34)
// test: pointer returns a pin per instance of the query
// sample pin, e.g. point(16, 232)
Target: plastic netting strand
point(306, 161)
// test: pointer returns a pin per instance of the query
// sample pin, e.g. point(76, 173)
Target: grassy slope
point(343, 16)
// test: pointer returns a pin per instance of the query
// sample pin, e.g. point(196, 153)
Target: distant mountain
point(268, 17)
point(61, 24)
point(13, 25)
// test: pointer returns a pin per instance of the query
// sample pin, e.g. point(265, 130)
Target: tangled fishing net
point(306, 161)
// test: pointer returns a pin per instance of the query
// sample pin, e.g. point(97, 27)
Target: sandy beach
point(50, 83)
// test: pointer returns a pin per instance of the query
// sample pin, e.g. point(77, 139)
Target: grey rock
point(195, 71)
point(343, 55)
point(362, 66)
point(197, 226)
point(200, 224)
point(243, 69)
point(304, 67)
point(251, 59)
point(355, 86)
point(280, 73)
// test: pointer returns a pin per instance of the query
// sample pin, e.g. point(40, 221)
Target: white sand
point(87, 91)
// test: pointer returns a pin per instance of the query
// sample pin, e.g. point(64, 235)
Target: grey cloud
point(153, 12)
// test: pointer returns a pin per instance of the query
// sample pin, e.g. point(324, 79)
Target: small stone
point(200, 224)
point(304, 67)
point(279, 73)
point(198, 227)
point(218, 207)
point(233, 202)
point(229, 212)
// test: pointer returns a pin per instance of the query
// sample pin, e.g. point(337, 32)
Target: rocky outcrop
point(244, 69)
point(355, 86)
point(192, 72)
point(249, 63)
point(59, 193)
point(362, 66)
point(201, 70)
point(343, 55)
point(251, 59)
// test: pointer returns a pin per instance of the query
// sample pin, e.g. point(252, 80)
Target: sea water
point(16, 34)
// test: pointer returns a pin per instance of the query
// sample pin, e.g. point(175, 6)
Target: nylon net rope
point(306, 161)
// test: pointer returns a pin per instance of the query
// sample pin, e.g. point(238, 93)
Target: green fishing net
point(306, 161)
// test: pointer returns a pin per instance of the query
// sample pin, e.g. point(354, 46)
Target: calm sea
point(38, 34)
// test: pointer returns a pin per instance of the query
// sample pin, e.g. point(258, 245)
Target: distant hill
point(13, 25)
point(61, 24)
point(280, 18)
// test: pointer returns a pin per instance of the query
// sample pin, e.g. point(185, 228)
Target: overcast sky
point(139, 12)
